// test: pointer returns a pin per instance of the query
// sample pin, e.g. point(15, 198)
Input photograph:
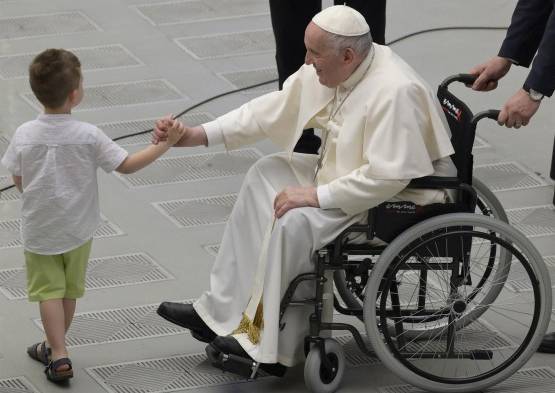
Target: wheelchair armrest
point(439, 182)
point(435, 182)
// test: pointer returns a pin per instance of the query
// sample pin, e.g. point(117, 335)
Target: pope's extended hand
point(293, 197)
point(176, 131)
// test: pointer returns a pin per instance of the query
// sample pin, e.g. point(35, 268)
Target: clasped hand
point(164, 125)
point(192, 136)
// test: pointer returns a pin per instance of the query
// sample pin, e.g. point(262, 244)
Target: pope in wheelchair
point(301, 222)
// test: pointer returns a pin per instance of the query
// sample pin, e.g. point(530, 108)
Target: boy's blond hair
point(53, 74)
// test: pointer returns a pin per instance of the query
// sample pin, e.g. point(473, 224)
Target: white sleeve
point(213, 133)
point(324, 197)
point(109, 155)
point(356, 192)
point(11, 159)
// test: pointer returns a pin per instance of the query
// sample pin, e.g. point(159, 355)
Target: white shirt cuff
point(324, 197)
point(214, 133)
point(513, 61)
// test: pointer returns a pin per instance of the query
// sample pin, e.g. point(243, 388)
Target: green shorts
point(59, 276)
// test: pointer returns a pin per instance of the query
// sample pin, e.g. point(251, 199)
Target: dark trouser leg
point(552, 173)
point(374, 13)
point(289, 21)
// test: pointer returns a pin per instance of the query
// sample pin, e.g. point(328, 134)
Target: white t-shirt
point(57, 158)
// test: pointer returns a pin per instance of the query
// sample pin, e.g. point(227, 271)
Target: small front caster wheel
point(320, 377)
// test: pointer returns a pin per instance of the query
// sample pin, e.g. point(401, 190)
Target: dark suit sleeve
point(542, 74)
point(526, 30)
point(532, 30)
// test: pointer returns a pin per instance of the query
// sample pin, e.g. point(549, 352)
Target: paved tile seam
point(121, 94)
point(177, 12)
point(92, 58)
point(50, 23)
point(216, 46)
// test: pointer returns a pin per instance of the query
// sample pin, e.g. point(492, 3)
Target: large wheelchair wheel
point(351, 285)
point(478, 340)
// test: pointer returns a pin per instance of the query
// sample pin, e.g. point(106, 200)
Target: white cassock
point(386, 128)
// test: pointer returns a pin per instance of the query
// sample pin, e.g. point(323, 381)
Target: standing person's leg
point(69, 311)
point(374, 12)
point(289, 21)
point(53, 320)
point(46, 285)
point(552, 172)
point(57, 314)
point(75, 263)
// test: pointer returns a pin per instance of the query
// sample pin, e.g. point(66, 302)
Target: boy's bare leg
point(69, 310)
point(53, 319)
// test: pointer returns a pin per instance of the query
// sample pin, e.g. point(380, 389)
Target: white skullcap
point(341, 20)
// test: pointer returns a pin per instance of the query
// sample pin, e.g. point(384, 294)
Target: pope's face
point(330, 65)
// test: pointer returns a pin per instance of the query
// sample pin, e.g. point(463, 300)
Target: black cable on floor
point(199, 104)
point(448, 28)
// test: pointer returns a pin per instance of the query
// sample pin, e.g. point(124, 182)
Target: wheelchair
point(456, 300)
point(452, 298)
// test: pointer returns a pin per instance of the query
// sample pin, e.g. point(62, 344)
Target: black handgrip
point(467, 79)
point(489, 114)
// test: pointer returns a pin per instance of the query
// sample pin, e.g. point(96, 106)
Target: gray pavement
point(146, 59)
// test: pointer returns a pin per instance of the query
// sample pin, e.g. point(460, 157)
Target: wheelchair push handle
point(489, 114)
point(467, 79)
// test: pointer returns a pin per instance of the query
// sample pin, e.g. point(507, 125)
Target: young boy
point(54, 160)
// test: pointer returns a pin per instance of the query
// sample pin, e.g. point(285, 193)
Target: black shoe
point(548, 343)
point(185, 316)
point(238, 361)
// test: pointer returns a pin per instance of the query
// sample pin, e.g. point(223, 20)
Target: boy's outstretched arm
point(140, 159)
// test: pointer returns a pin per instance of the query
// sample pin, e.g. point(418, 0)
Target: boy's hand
point(161, 128)
point(175, 132)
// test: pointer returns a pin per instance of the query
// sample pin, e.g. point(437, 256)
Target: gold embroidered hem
point(252, 328)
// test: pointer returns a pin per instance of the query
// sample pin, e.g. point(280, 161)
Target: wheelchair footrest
point(241, 366)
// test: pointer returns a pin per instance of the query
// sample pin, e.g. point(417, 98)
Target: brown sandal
point(40, 353)
point(54, 374)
